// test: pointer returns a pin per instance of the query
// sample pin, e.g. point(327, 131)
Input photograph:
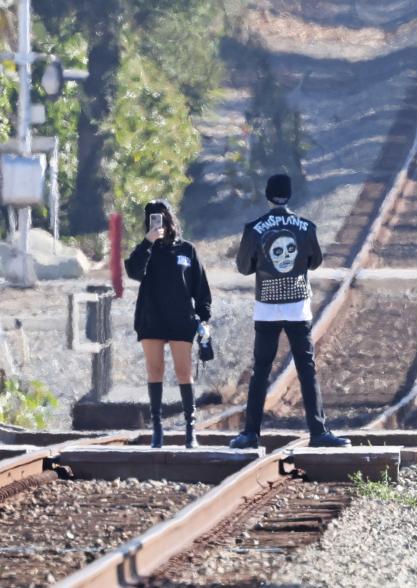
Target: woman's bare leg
point(154, 355)
point(183, 364)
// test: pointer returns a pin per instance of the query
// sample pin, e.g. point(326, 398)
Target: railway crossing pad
point(331, 464)
point(209, 465)
point(8, 451)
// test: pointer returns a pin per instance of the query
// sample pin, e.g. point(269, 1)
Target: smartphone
point(155, 221)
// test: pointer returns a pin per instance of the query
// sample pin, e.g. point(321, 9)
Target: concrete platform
point(230, 279)
point(270, 440)
point(408, 456)
point(367, 437)
point(127, 407)
point(7, 451)
point(337, 464)
point(99, 416)
point(396, 279)
point(206, 464)
point(139, 394)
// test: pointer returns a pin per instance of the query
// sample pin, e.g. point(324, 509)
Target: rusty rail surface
point(232, 416)
point(143, 555)
point(32, 463)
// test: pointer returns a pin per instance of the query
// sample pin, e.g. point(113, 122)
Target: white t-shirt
point(291, 311)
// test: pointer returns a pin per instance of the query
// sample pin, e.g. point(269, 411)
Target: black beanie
point(278, 188)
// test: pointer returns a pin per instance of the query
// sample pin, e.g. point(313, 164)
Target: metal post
point(23, 128)
point(98, 329)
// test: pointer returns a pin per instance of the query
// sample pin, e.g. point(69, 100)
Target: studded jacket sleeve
point(316, 256)
point(246, 256)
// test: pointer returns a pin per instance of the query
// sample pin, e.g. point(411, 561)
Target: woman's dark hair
point(169, 221)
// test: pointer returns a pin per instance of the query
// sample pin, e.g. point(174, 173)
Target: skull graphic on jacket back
point(282, 251)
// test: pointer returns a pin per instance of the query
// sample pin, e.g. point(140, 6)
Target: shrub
point(27, 405)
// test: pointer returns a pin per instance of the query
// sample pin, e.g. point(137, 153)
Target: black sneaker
point(245, 441)
point(329, 440)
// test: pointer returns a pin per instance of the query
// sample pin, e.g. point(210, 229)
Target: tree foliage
point(152, 139)
point(7, 69)
point(185, 45)
point(6, 109)
point(28, 404)
point(127, 135)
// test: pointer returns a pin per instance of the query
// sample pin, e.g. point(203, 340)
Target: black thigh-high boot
point(155, 397)
point(188, 404)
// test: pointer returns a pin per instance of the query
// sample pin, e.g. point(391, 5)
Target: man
point(280, 248)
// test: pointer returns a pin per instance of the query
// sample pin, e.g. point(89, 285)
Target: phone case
point(155, 221)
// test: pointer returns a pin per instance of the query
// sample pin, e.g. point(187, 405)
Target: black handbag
point(205, 349)
point(205, 353)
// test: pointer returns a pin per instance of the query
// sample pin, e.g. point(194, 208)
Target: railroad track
point(250, 501)
point(241, 502)
point(259, 500)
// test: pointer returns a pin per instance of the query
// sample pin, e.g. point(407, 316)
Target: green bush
point(151, 138)
point(27, 405)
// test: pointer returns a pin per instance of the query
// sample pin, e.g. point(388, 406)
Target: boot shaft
point(155, 398)
point(188, 404)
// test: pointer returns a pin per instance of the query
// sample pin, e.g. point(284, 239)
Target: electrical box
point(23, 179)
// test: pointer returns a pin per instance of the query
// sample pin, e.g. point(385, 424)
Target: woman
point(173, 290)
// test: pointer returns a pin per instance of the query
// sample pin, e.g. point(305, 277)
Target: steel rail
point(143, 555)
point(23, 466)
point(390, 415)
point(33, 463)
point(277, 391)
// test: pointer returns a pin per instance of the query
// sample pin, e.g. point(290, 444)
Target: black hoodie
point(173, 290)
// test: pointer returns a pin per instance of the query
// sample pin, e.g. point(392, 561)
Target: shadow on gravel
point(363, 143)
point(355, 14)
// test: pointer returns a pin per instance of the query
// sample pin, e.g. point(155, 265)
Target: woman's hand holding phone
point(155, 234)
point(156, 230)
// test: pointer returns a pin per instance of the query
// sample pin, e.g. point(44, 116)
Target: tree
point(86, 211)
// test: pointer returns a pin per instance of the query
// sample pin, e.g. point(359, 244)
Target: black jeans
point(266, 345)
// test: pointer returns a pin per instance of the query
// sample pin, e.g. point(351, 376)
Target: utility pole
point(23, 160)
point(23, 129)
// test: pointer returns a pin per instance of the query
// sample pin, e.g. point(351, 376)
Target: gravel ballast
point(372, 544)
point(48, 533)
